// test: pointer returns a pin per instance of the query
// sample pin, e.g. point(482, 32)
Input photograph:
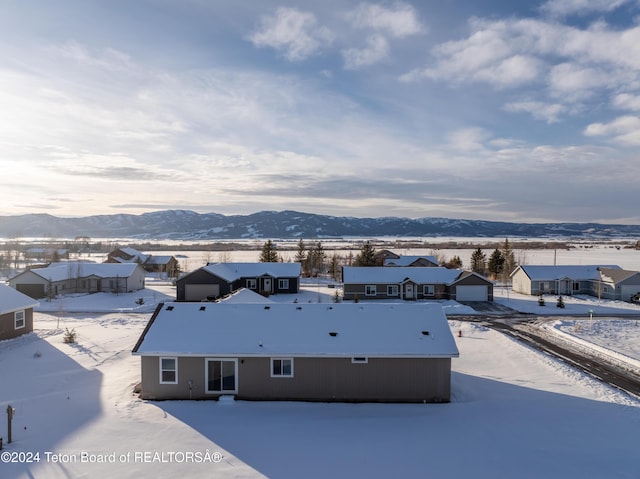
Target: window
point(544, 286)
point(168, 370)
point(392, 290)
point(359, 360)
point(429, 290)
point(370, 290)
point(251, 284)
point(283, 284)
point(220, 376)
point(19, 320)
point(576, 286)
point(281, 368)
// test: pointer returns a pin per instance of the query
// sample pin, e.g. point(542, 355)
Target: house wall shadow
point(53, 396)
point(490, 429)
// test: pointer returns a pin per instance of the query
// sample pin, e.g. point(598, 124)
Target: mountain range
point(189, 225)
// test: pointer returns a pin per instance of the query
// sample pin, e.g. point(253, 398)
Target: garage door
point(200, 292)
point(34, 290)
point(628, 291)
point(471, 293)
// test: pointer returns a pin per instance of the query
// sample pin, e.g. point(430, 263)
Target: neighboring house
point(410, 283)
point(219, 279)
point(16, 313)
point(152, 264)
point(607, 282)
point(426, 261)
point(309, 352)
point(79, 277)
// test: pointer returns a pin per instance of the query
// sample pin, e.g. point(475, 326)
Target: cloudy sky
point(455, 108)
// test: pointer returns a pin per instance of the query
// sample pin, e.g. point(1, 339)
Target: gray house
point(79, 277)
point(16, 313)
point(424, 261)
point(411, 283)
point(219, 279)
point(607, 282)
point(309, 352)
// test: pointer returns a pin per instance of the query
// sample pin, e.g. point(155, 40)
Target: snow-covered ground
point(514, 412)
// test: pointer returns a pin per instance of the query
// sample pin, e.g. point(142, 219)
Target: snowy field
point(514, 412)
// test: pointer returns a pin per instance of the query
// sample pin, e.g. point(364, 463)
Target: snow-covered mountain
point(181, 224)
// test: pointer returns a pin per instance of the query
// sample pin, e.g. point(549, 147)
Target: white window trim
point(161, 369)
point(283, 283)
point(359, 360)
point(206, 376)
point(17, 319)
point(395, 291)
point(426, 292)
point(281, 375)
point(370, 290)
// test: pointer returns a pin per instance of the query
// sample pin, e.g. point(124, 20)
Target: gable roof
point(72, 270)
point(408, 260)
point(554, 272)
point(234, 271)
point(614, 275)
point(398, 274)
point(13, 300)
point(291, 330)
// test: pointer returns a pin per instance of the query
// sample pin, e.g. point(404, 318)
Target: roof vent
point(333, 334)
point(202, 308)
point(425, 333)
point(299, 308)
point(169, 308)
point(267, 307)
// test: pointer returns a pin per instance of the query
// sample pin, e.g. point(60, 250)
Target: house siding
point(314, 379)
point(7, 324)
point(204, 277)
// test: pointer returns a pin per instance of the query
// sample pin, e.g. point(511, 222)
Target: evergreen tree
point(334, 267)
point(509, 258)
point(367, 256)
point(478, 261)
point(269, 253)
point(454, 263)
point(316, 259)
point(301, 257)
point(496, 262)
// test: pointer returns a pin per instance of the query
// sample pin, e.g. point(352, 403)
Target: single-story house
point(16, 313)
point(153, 264)
point(425, 261)
point(303, 352)
point(219, 279)
point(50, 254)
point(79, 277)
point(606, 281)
point(410, 283)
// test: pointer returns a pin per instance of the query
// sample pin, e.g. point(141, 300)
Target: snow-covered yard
point(514, 412)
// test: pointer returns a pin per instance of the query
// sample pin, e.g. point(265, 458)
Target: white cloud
point(574, 81)
point(468, 139)
point(399, 19)
point(548, 112)
point(377, 49)
point(295, 33)
point(580, 7)
point(624, 130)
point(626, 101)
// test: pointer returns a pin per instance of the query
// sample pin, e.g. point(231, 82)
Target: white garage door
point(199, 292)
point(472, 293)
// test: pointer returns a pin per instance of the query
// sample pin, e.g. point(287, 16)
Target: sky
point(494, 110)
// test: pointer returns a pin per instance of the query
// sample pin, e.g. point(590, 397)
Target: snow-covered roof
point(12, 300)
point(63, 271)
point(398, 274)
point(553, 272)
point(233, 271)
point(408, 260)
point(158, 259)
point(294, 330)
point(613, 275)
point(244, 295)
